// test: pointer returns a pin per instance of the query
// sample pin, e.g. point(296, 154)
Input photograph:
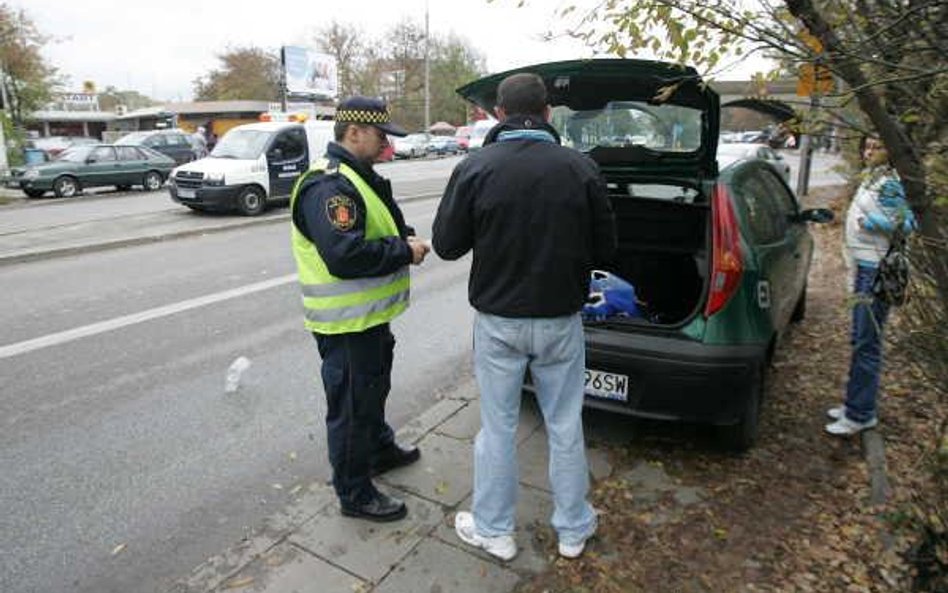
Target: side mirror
point(819, 215)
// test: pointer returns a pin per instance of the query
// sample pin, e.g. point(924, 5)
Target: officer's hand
point(419, 249)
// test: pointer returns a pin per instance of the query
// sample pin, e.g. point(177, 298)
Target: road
point(124, 462)
point(116, 427)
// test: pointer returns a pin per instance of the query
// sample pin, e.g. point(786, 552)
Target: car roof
point(268, 126)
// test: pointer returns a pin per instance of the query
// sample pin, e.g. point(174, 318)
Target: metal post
point(806, 153)
point(427, 74)
point(283, 79)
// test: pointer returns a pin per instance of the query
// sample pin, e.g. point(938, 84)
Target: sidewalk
point(311, 547)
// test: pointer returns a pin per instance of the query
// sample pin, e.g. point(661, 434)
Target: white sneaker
point(501, 546)
point(846, 427)
point(837, 412)
point(574, 550)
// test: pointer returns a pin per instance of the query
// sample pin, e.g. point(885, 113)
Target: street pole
point(427, 74)
point(806, 152)
point(283, 79)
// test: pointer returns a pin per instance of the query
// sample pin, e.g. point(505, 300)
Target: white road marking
point(92, 329)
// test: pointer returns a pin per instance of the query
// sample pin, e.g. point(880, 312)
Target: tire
point(741, 436)
point(152, 181)
point(34, 193)
point(799, 311)
point(251, 201)
point(66, 187)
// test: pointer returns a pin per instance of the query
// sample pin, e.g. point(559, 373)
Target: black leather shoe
point(394, 456)
point(381, 508)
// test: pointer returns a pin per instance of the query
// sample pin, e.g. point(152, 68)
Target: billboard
point(309, 73)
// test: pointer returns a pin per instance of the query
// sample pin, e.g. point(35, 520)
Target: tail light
point(726, 260)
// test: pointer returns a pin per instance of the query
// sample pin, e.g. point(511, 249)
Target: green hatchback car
point(718, 258)
point(96, 165)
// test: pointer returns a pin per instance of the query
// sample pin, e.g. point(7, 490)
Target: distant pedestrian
point(877, 212)
point(538, 220)
point(353, 250)
point(199, 143)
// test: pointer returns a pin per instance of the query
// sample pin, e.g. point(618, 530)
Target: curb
point(28, 256)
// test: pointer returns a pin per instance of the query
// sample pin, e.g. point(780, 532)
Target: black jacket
point(344, 248)
point(536, 215)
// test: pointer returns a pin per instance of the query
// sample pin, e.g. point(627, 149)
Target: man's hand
point(419, 249)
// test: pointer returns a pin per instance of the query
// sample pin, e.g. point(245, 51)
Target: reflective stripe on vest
point(336, 305)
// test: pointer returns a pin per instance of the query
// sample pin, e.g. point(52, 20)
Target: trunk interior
point(662, 250)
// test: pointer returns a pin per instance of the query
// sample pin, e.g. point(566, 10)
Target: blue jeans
point(869, 316)
point(554, 351)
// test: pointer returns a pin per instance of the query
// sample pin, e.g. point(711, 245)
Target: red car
point(463, 137)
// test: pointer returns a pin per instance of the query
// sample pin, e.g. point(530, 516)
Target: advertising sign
point(309, 72)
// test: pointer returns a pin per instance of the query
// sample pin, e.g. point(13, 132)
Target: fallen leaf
point(118, 549)
point(441, 487)
point(236, 583)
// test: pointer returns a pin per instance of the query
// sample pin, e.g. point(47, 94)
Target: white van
point(251, 165)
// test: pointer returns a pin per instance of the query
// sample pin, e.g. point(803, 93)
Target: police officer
point(352, 250)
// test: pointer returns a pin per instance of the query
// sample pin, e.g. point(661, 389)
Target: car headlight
point(31, 174)
point(214, 179)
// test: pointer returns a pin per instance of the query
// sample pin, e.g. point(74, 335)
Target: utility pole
point(427, 73)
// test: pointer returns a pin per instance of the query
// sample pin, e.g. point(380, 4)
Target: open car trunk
point(663, 249)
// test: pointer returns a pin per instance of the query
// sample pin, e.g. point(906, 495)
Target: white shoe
point(837, 412)
point(501, 546)
point(846, 427)
point(574, 550)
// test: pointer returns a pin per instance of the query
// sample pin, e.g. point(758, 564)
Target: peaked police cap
point(369, 111)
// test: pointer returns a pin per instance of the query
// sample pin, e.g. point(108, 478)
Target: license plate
point(607, 385)
point(185, 192)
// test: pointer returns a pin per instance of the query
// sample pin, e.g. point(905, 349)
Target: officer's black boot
point(380, 508)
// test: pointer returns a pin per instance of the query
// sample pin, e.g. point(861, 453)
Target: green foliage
point(27, 79)
point(111, 97)
point(14, 139)
point(247, 73)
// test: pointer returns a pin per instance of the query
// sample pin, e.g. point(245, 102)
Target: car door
point(132, 164)
point(773, 252)
point(179, 148)
point(286, 160)
point(101, 168)
point(797, 237)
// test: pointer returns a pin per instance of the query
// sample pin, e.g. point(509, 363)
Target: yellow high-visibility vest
point(336, 305)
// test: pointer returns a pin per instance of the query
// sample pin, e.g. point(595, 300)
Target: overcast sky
point(159, 48)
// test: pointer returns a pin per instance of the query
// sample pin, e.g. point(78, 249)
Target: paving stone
point(416, 429)
point(534, 535)
point(288, 569)
point(648, 476)
point(309, 503)
point(445, 472)
point(599, 465)
point(436, 567)
point(465, 424)
point(533, 459)
point(365, 548)
point(214, 570)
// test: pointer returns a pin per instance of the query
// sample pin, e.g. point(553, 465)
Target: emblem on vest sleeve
point(341, 212)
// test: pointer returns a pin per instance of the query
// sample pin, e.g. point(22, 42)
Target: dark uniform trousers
point(357, 376)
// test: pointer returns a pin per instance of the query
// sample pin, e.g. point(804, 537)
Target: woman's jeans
point(869, 315)
point(554, 351)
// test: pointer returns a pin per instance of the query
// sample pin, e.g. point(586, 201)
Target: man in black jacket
point(538, 219)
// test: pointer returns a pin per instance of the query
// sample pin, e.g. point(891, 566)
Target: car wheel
point(152, 181)
point(799, 311)
point(66, 187)
point(741, 436)
point(34, 193)
point(251, 201)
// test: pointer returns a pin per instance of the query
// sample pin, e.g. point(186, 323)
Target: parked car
point(478, 133)
point(173, 143)
point(443, 145)
point(54, 145)
point(411, 146)
point(719, 260)
point(729, 153)
point(95, 166)
point(463, 137)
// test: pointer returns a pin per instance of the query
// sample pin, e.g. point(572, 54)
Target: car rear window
point(661, 128)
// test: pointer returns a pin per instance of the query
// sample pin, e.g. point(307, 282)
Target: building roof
point(72, 116)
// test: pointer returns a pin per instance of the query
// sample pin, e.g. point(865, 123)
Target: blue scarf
point(538, 135)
